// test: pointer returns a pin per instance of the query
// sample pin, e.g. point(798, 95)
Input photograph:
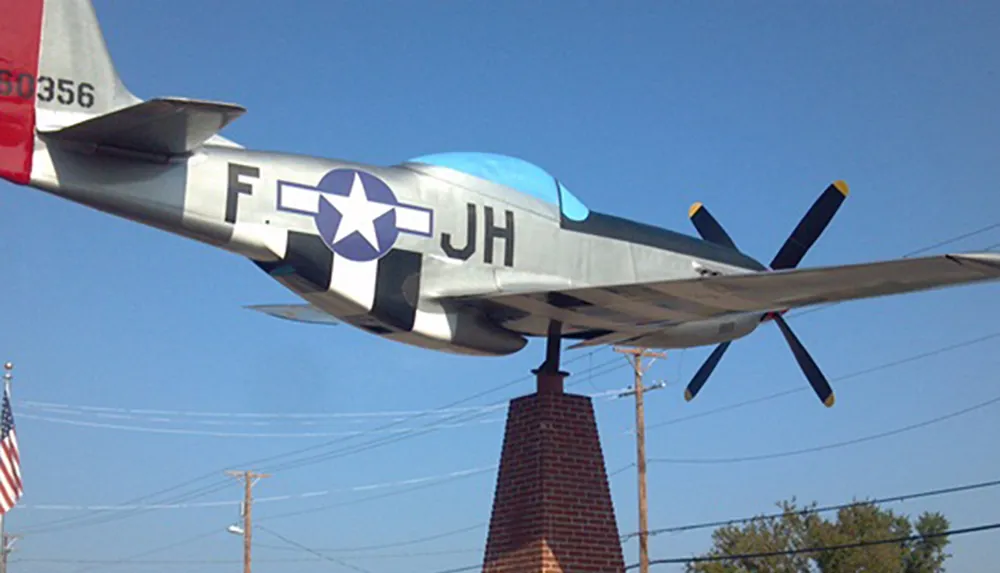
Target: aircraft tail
point(55, 70)
point(57, 80)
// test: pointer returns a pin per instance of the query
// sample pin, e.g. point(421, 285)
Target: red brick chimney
point(552, 509)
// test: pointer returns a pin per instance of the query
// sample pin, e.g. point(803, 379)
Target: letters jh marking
point(356, 213)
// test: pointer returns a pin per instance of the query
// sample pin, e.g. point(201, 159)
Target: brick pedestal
point(552, 510)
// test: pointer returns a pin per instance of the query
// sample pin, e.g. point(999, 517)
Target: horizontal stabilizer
point(161, 127)
point(296, 312)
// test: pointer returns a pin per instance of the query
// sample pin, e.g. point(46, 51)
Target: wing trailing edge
point(160, 128)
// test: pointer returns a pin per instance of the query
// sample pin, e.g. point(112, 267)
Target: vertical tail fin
point(76, 76)
point(55, 70)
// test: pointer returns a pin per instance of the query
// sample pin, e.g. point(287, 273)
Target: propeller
point(802, 238)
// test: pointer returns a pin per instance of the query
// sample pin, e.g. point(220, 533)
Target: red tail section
point(20, 41)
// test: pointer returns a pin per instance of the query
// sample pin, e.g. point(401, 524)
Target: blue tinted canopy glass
point(511, 172)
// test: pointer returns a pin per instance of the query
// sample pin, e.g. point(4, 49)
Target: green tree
point(798, 529)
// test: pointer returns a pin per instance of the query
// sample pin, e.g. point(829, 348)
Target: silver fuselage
point(227, 196)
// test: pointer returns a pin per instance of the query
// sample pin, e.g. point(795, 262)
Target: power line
point(404, 543)
point(823, 549)
point(185, 497)
point(321, 457)
point(852, 375)
point(292, 435)
point(400, 555)
point(249, 416)
point(287, 497)
point(132, 559)
point(856, 374)
point(71, 522)
point(319, 508)
point(823, 509)
point(249, 435)
point(417, 540)
point(312, 551)
point(908, 255)
point(834, 445)
point(95, 563)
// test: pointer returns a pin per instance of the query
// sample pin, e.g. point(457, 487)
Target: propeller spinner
point(813, 223)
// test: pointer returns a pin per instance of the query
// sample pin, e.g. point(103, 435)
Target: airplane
point(462, 252)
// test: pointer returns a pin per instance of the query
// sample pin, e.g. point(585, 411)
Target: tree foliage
point(797, 529)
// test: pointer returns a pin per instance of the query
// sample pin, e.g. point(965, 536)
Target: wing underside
point(296, 313)
point(643, 307)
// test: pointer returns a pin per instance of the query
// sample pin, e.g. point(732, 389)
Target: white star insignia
point(357, 213)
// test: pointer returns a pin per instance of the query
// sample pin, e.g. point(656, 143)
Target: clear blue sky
point(750, 108)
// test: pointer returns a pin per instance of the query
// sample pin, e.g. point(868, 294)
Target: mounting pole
point(548, 374)
point(249, 480)
point(635, 356)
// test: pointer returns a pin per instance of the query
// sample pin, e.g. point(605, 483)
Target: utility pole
point(249, 480)
point(8, 547)
point(635, 356)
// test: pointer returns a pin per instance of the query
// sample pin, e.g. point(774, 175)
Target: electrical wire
point(908, 255)
point(347, 502)
point(399, 555)
point(823, 509)
point(317, 458)
point(312, 551)
point(439, 478)
point(859, 373)
point(406, 542)
point(129, 413)
point(822, 549)
point(245, 435)
point(806, 511)
point(204, 491)
point(72, 523)
point(834, 445)
point(133, 558)
point(856, 374)
point(280, 435)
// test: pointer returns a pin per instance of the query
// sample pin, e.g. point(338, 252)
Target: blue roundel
point(357, 215)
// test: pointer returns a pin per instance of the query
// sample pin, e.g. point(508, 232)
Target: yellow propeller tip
point(688, 396)
point(829, 401)
point(842, 187)
point(694, 209)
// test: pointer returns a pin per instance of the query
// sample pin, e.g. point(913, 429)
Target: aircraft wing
point(635, 305)
point(296, 312)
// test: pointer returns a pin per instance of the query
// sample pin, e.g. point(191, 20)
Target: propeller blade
point(708, 227)
point(705, 371)
point(808, 365)
point(810, 227)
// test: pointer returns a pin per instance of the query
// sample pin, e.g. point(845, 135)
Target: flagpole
point(7, 376)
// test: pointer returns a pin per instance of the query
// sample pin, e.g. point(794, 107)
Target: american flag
point(11, 487)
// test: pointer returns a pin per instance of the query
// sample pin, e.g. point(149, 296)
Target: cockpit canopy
point(512, 172)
